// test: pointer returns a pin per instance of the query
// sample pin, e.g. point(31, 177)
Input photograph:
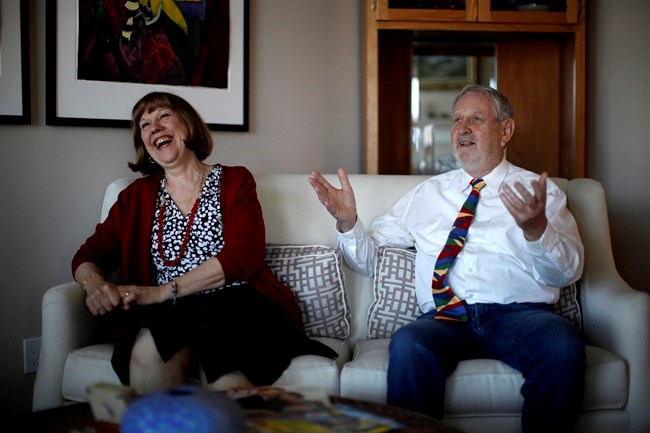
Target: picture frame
point(76, 102)
point(15, 95)
point(442, 72)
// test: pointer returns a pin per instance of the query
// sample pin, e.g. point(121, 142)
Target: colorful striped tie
point(448, 305)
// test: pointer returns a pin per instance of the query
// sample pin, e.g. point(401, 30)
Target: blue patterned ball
point(186, 409)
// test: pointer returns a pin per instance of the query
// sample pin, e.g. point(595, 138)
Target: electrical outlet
point(31, 353)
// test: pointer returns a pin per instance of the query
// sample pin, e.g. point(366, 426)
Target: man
point(522, 246)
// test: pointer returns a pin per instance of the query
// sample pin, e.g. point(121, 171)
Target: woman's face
point(164, 134)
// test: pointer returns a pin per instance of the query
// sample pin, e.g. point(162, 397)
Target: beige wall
point(618, 141)
point(304, 114)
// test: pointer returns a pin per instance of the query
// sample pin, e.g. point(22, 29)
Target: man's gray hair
point(503, 109)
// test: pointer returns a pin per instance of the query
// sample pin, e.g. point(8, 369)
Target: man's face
point(478, 139)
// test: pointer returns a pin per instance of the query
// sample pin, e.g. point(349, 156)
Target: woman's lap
point(231, 329)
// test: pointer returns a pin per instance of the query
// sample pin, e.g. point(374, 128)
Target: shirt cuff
point(350, 234)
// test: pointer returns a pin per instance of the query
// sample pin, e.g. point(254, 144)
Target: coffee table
point(78, 418)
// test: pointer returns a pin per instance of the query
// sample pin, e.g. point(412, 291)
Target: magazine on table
point(273, 409)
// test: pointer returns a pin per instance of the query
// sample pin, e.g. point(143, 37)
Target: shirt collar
point(493, 180)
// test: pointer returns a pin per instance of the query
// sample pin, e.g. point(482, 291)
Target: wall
point(305, 114)
point(618, 135)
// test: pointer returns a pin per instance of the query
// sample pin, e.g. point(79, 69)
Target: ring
point(126, 295)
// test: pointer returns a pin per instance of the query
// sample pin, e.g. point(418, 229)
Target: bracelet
point(83, 285)
point(174, 292)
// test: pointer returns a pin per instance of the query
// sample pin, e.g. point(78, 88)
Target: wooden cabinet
point(540, 57)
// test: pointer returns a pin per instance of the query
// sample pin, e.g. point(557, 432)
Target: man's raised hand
point(340, 203)
point(528, 210)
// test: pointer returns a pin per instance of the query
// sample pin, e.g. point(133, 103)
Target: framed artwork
point(445, 72)
point(102, 56)
point(15, 107)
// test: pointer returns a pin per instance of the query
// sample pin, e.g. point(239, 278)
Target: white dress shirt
point(497, 264)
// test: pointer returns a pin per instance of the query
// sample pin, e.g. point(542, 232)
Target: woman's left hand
point(138, 295)
point(134, 295)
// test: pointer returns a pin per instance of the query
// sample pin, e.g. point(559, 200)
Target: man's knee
point(564, 346)
point(409, 338)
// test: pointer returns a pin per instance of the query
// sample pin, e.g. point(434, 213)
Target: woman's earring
point(151, 160)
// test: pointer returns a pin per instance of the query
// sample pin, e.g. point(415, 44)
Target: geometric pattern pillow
point(395, 302)
point(568, 305)
point(314, 274)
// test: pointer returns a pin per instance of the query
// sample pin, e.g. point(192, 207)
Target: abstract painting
point(115, 51)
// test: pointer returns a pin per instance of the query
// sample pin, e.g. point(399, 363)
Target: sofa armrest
point(617, 318)
point(66, 326)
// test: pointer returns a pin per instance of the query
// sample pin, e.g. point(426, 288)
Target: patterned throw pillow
point(314, 274)
point(569, 304)
point(395, 303)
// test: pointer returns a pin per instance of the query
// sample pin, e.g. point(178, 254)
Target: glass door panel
point(427, 4)
point(529, 5)
point(529, 11)
point(427, 10)
point(439, 72)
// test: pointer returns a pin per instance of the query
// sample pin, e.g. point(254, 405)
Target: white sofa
point(482, 395)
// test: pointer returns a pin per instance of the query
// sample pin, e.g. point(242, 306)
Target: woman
point(189, 242)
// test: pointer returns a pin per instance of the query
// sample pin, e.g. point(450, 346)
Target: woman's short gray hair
point(502, 107)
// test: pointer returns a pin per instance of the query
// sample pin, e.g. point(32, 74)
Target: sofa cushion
point(484, 386)
point(318, 371)
point(607, 383)
point(87, 366)
point(364, 378)
point(92, 364)
point(395, 303)
point(314, 274)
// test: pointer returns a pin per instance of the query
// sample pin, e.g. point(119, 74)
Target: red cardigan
point(123, 240)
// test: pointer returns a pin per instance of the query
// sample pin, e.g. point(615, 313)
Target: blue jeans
point(545, 347)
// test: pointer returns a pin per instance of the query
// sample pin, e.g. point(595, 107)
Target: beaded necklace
point(188, 227)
